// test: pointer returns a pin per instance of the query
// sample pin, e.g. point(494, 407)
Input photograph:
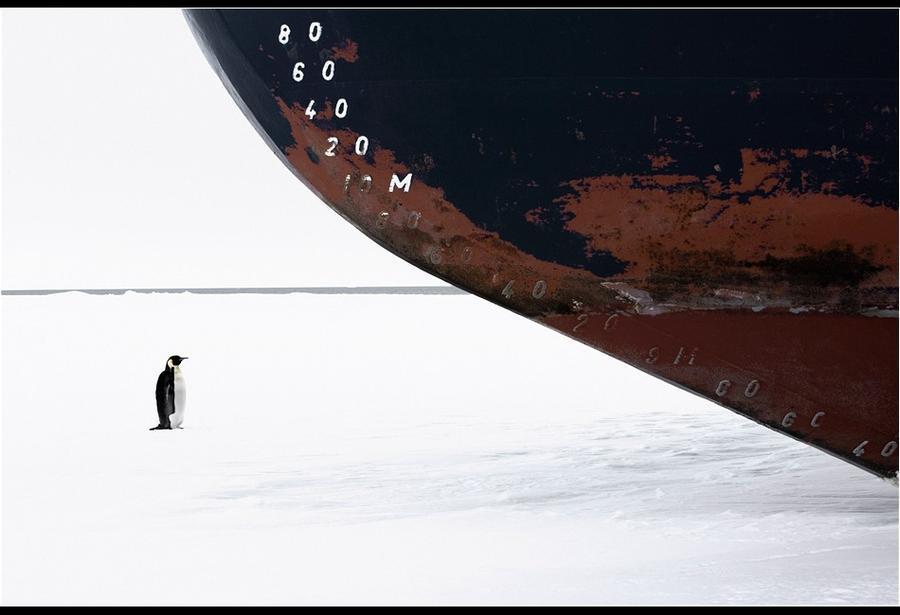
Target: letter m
point(396, 183)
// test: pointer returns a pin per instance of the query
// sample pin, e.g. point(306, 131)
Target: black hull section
point(710, 196)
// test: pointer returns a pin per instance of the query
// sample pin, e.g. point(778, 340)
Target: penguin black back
point(165, 392)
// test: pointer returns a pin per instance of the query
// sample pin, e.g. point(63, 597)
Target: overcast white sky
point(126, 164)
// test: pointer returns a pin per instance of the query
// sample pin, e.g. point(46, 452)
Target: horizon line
point(263, 290)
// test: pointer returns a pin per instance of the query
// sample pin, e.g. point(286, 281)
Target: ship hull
point(709, 196)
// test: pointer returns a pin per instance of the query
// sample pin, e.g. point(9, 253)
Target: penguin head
point(175, 360)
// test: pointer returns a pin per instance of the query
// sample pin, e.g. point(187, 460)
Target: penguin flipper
point(165, 400)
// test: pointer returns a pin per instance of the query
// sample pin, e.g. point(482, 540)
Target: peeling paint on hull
point(726, 222)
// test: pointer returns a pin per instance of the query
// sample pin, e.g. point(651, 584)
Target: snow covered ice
point(398, 449)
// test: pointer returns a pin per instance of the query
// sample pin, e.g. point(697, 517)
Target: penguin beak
point(184, 358)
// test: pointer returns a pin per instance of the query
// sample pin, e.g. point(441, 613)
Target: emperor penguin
point(170, 395)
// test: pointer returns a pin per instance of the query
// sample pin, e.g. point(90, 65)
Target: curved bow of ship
point(709, 196)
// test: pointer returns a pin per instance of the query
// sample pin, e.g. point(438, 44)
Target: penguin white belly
point(180, 394)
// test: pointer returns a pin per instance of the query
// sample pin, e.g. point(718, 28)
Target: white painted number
point(723, 387)
point(582, 318)
point(298, 74)
point(362, 146)
point(315, 31)
point(284, 34)
point(859, 450)
point(540, 287)
point(328, 70)
point(508, 289)
point(888, 449)
point(681, 355)
point(310, 112)
point(752, 389)
point(340, 109)
point(334, 144)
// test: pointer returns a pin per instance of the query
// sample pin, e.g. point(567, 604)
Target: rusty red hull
point(716, 210)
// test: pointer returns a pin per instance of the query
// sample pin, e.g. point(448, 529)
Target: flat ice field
point(398, 449)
